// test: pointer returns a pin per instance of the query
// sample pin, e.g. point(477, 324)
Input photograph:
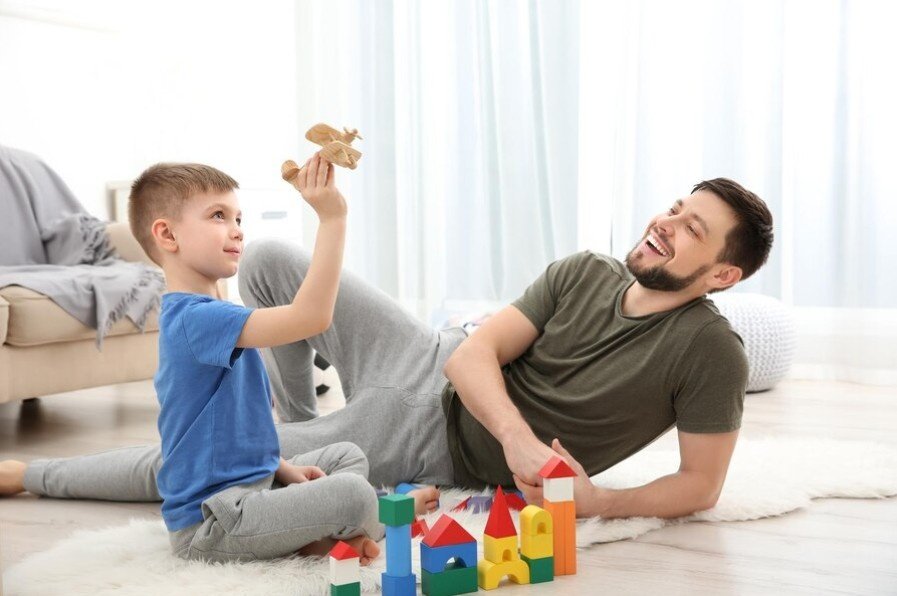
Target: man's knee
point(266, 256)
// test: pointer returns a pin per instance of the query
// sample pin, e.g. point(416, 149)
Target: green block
point(454, 580)
point(396, 510)
point(353, 589)
point(540, 570)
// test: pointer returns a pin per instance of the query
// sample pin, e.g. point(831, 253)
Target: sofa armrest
point(127, 247)
point(4, 319)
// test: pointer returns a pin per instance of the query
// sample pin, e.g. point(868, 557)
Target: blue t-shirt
point(215, 421)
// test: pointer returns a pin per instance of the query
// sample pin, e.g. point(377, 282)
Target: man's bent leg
point(373, 341)
point(127, 474)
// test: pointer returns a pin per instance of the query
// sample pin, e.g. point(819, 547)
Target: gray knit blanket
point(51, 245)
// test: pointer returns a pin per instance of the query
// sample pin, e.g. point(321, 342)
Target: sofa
point(44, 350)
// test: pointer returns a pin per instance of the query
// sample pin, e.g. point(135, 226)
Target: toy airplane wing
point(321, 134)
point(341, 154)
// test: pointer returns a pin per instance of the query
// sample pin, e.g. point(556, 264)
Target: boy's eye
point(218, 213)
point(239, 221)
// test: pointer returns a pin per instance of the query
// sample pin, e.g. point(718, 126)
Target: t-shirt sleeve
point(212, 330)
point(713, 376)
point(540, 300)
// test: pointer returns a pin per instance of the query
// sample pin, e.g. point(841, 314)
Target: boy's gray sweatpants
point(390, 365)
point(265, 519)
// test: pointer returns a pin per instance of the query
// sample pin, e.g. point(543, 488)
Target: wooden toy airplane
point(337, 146)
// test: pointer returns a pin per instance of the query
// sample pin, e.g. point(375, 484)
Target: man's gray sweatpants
point(390, 365)
point(265, 519)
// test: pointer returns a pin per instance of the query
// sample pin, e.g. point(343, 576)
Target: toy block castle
point(448, 560)
point(557, 499)
point(344, 577)
point(500, 553)
point(396, 512)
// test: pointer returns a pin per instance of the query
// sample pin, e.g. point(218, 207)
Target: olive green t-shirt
point(605, 384)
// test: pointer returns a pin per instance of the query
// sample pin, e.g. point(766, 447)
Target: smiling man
point(595, 361)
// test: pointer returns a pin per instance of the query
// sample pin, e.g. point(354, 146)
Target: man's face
point(679, 248)
point(208, 234)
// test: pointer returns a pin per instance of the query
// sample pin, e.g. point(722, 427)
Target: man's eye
point(693, 231)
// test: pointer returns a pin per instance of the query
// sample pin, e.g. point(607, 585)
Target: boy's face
point(208, 235)
point(690, 236)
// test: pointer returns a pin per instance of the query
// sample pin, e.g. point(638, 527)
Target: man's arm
point(475, 371)
point(704, 461)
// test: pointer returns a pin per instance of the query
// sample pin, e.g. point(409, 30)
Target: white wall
point(101, 89)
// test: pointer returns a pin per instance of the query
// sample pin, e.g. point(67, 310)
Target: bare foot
point(426, 499)
point(366, 548)
point(12, 477)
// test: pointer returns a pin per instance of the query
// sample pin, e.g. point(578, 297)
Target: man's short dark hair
point(749, 242)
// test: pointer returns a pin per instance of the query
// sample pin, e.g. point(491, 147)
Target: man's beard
point(657, 278)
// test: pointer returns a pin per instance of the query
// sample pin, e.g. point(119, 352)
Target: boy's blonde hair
point(161, 191)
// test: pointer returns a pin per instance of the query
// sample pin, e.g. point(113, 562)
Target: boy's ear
point(726, 277)
point(163, 235)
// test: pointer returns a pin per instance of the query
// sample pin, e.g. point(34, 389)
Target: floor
point(837, 546)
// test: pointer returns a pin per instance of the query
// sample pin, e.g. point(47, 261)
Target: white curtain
point(503, 135)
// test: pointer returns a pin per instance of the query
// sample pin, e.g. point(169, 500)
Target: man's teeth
point(657, 246)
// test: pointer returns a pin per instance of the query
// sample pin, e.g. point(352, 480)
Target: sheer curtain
point(503, 135)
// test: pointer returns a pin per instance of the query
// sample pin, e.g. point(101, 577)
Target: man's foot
point(366, 548)
point(426, 499)
point(12, 477)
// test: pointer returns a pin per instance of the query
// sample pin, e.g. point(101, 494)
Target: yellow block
point(489, 574)
point(536, 536)
point(535, 520)
point(499, 550)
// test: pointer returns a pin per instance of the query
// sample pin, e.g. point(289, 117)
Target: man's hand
point(287, 473)
point(317, 184)
point(525, 457)
point(584, 492)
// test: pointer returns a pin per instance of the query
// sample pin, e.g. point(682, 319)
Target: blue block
point(405, 585)
point(398, 550)
point(433, 559)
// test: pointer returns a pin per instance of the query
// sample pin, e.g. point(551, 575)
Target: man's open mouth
point(656, 246)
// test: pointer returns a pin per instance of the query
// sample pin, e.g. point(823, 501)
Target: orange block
point(563, 515)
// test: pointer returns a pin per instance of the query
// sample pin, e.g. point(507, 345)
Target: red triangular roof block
point(515, 502)
point(499, 524)
point(556, 468)
point(447, 531)
point(343, 551)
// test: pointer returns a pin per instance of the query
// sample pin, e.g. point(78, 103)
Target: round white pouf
point(769, 334)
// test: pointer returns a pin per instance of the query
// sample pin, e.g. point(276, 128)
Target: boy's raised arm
point(311, 311)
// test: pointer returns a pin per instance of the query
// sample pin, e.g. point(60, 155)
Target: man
point(602, 356)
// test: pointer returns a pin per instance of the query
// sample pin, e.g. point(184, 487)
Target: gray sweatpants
point(265, 519)
point(390, 365)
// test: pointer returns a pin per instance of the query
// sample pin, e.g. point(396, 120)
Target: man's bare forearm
point(670, 496)
point(476, 375)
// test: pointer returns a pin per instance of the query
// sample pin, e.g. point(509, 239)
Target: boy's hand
point(316, 181)
point(287, 473)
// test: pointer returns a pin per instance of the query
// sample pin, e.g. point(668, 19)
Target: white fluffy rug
point(767, 478)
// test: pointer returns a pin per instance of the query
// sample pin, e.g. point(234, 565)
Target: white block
point(558, 490)
point(344, 572)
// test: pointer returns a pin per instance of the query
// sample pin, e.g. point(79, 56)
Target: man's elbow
point(452, 364)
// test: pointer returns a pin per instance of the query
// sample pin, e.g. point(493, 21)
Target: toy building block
point(419, 528)
point(397, 513)
point(540, 570)
point(336, 146)
point(448, 559)
point(396, 510)
point(344, 575)
point(536, 533)
point(405, 585)
point(501, 557)
point(557, 494)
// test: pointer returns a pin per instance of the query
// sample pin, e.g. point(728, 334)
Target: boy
point(227, 493)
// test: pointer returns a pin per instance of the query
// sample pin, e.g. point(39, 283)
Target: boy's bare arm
point(311, 311)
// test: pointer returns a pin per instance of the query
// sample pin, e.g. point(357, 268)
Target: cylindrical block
point(398, 550)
